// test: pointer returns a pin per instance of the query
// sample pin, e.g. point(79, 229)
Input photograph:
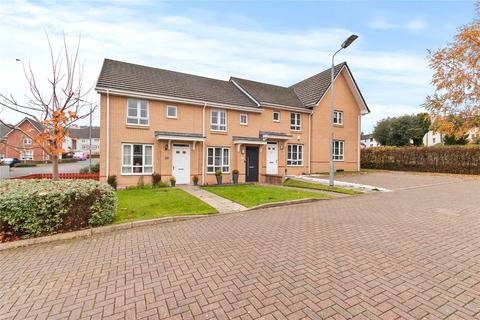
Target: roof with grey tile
point(312, 89)
point(4, 129)
point(84, 132)
point(142, 79)
point(265, 93)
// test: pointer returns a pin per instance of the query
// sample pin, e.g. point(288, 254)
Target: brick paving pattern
point(409, 254)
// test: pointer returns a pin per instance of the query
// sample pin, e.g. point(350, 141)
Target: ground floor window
point(338, 150)
point(26, 155)
point(218, 158)
point(295, 155)
point(137, 159)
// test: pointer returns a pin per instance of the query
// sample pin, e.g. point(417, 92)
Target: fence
point(4, 172)
point(84, 176)
point(444, 159)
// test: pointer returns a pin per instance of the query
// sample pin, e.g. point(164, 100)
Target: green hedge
point(38, 207)
point(444, 159)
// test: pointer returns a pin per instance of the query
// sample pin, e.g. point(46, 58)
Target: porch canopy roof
point(178, 136)
point(248, 140)
point(274, 135)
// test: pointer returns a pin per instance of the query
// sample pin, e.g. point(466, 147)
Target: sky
point(278, 42)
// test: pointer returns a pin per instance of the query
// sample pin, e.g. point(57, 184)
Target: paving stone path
point(221, 204)
point(408, 254)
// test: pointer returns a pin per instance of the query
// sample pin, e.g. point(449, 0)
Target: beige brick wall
point(189, 120)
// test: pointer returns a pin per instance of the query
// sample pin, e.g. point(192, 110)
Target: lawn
point(317, 186)
point(250, 195)
point(148, 203)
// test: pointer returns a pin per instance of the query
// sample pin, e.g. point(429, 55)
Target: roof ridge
point(309, 78)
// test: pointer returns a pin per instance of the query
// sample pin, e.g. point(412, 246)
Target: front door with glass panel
point(181, 163)
point(272, 158)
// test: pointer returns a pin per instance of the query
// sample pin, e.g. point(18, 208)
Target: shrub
point(25, 165)
point(445, 159)
point(218, 173)
point(95, 168)
point(195, 179)
point(43, 206)
point(112, 181)
point(235, 171)
point(156, 179)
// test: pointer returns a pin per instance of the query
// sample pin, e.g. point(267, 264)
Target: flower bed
point(31, 208)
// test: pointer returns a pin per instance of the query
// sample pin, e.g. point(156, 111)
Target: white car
point(80, 155)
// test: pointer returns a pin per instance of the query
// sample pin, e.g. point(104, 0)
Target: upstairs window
point(276, 116)
point(338, 117)
point(27, 141)
point(137, 112)
point(172, 112)
point(244, 119)
point(295, 121)
point(218, 120)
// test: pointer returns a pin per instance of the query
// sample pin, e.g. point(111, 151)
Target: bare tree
point(61, 107)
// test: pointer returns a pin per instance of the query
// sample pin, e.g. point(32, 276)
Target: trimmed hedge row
point(37, 207)
point(444, 159)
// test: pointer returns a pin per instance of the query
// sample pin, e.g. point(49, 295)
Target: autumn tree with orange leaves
point(59, 108)
point(455, 106)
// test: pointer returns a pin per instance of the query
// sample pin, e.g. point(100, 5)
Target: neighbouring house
point(81, 137)
point(16, 144)
point(432, 138)
point(183, 125)
point(368, 141)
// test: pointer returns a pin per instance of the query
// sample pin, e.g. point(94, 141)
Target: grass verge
point(251, 195)
point(318, 186)
point(150, 203)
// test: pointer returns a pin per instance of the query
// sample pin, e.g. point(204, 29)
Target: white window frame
point(246, 119)
point(273, 116)
point(138, 118)
point(297, 160)
point(27, 141)
point(176, 112)
point(220, 127)
point(340, 155)
point(23, 153)
point(336, 119)
point(223, 166)
point(131, 165)
point(297, 126)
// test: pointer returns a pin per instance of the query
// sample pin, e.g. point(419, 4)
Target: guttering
point(284, 107)
point(134, 94)
point(203, 143)
point(178, 138)
point(108, 133)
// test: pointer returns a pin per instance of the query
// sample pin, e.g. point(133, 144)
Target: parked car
point(80, 155)
point(10, 162)
point(68, 155)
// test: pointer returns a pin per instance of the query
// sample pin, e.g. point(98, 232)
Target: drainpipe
point(359, 137)
point(310, 143)
point(203, 143)
point(108, 134)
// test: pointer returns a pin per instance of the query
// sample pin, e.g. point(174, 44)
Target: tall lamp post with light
point(344, 45)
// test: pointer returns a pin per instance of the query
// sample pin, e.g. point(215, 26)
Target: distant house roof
point(4, 129)
point(133, 77)
point(366, 136)
point(84, 132)
point(266, 94)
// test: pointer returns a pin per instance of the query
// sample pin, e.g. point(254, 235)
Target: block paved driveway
point(408, 254)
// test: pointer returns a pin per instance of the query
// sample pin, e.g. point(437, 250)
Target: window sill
point(338, 125)
point(218, 132)
point(295, 165)
point(135, 174)
point(138, 126)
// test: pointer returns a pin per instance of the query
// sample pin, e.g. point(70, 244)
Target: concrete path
point(221, 204)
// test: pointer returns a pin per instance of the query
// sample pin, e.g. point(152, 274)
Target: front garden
point(251, 195)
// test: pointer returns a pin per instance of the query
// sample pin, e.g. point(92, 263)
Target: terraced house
point(172, 123)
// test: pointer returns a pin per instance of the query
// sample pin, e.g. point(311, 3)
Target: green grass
point(148, 203)
point(251, 195)
point(317, 186)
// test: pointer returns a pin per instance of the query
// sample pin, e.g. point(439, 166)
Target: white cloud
point(200, 47)
point(412, 25)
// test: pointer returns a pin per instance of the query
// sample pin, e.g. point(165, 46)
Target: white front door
point(181, 163)
point(272, 158)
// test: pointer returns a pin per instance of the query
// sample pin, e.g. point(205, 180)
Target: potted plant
point(195, 180)
point(172, 181)
point(218, 175)
point(235, 176)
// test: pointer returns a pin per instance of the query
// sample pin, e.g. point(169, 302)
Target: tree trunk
point(55, 175)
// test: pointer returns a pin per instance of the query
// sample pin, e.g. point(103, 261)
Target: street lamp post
point(344, 45)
